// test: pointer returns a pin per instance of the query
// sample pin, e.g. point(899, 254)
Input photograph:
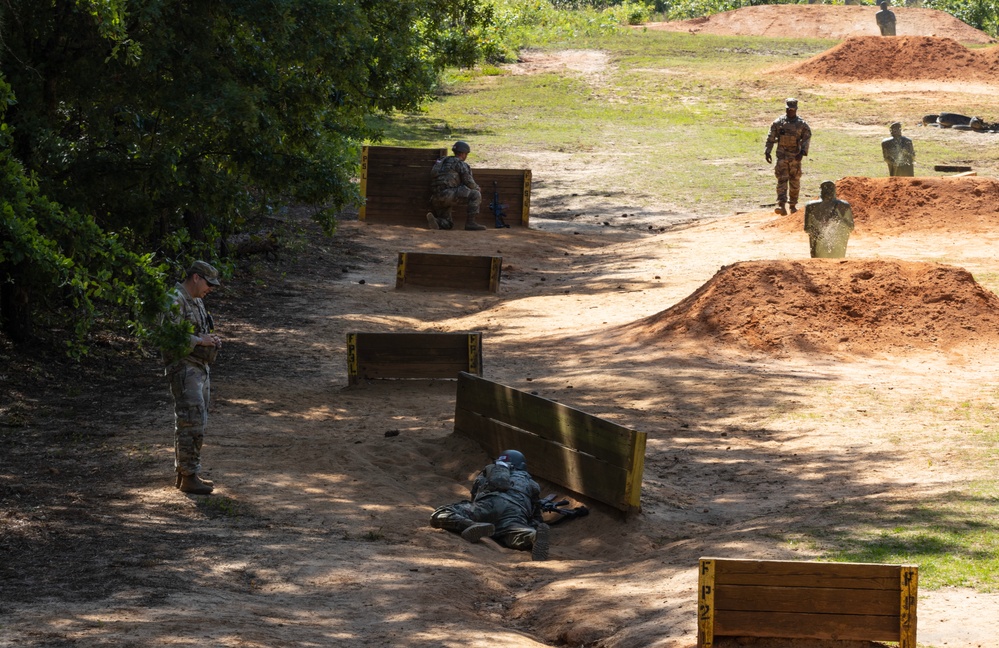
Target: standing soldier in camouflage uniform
point(505, 505)
point(189, 375)
point(792, 136)
point(450, 181)
point(898, 152)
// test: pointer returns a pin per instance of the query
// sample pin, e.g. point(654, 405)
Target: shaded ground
point(826, 21)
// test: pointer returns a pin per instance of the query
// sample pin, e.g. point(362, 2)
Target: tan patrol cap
point(204, 269)
point(791, 102)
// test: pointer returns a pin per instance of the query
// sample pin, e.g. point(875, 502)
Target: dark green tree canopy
point(167, 122)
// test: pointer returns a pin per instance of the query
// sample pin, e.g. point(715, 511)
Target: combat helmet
point(513, 457)
point(461, 147)
point(791, 102)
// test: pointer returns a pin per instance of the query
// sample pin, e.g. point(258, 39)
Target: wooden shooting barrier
point(590, 456)
point(806, 600)
point(395, 185)
point(376, 356)
point(450, 271)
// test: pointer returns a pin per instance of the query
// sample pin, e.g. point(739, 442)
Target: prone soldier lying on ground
point(506, 506)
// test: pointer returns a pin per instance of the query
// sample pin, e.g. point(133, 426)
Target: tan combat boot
point(793, 207)
point(195, 485)
point(470, 224)
point(780, 209)
point(180, 478)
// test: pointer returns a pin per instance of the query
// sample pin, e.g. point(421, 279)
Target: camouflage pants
point(511, 528)
point(788, 172)
point(191, 389)
point(442, 203)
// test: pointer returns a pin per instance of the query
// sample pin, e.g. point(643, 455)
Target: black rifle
point(549, 505)
point(497, 209)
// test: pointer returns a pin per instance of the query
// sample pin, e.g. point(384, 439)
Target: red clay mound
point(901, 58)
point(891, 206)
point(860, 307)
point(825, 21)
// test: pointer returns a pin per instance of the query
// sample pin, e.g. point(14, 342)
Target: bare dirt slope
point(843, 307)
point(903, 58)
point(825, 21)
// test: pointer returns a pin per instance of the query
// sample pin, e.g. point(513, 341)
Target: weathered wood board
point(377, 356)
point(448, 271)
point(395, 185)
point(586, 454)
point(806, 600)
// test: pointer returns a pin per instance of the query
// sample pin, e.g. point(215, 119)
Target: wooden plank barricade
point(588, 455)
point(450, 271)
point(395, 185)
point(806, 600)
point(374, 356)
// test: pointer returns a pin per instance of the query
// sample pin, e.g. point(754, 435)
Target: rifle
point(497, 209)
point(549, 505)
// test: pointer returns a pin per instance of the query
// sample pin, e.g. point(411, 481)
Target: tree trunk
point(195, 223)
point(15, 312)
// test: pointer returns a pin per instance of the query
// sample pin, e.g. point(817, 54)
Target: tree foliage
point(980, 14)
point(149, 129)
point(63, 260)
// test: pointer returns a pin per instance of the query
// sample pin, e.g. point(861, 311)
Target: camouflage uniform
point(792, 137)
point(828, 222)
point(451, 181)
point(899, 154)
point(190, 382)
point(510, 501)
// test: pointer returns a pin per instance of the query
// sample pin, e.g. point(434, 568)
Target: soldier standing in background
point(791, 135)
point(451, 181)
point(886, 19)
point(898, 152)
point(189, 375)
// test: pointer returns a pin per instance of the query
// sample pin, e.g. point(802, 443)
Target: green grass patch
point(675, 119)
point(954, 538)
point(988, 280)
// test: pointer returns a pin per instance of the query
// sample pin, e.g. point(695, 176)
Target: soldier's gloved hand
point(768, 158)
